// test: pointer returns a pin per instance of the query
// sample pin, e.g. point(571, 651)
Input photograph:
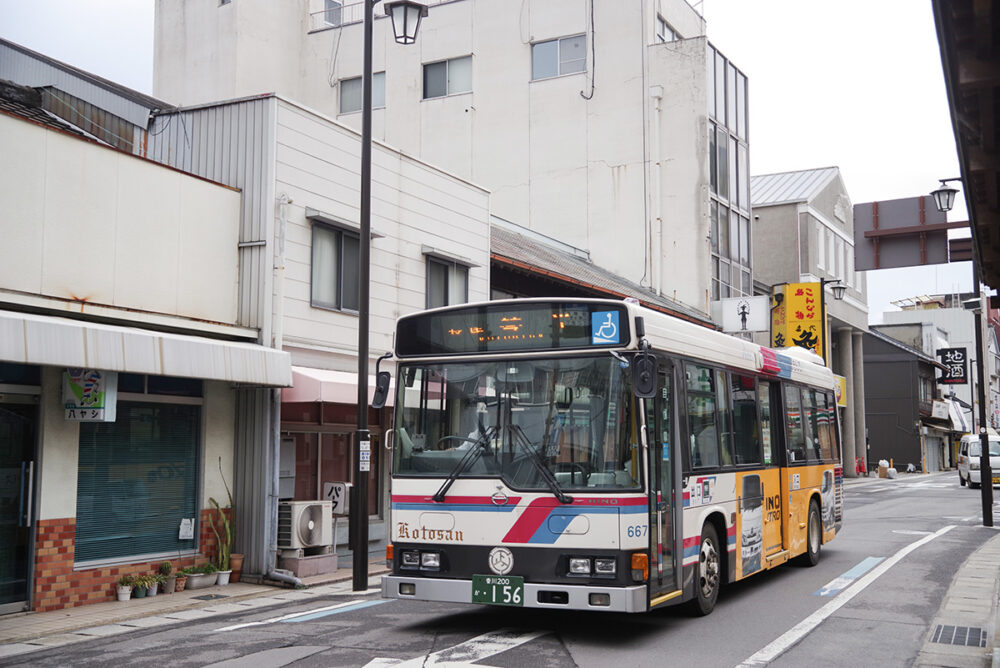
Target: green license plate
point(498, 589)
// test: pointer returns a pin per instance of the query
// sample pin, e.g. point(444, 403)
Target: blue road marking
point(324, 613)
point(834, 586)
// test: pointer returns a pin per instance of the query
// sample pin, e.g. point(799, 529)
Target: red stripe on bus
point(454, 500)
point(529, 521)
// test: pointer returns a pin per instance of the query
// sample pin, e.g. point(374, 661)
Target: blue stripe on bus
point(544, 535)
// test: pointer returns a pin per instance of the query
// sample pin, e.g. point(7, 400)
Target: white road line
point(465, 654)
point(284, 617)
point(803, 628)
point(912, 532)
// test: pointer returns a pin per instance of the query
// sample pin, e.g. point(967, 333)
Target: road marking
point(803, 628)
point(912, 532)
point(272, 620)
point(324, 613)
point(835, 585)
point(465, 654)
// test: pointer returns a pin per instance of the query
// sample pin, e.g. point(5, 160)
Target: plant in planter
point(140, 586)
point(199, 577)
point(154, 580)
point(166, 571)
point(123, 589)
point(223, 538)
point(182, 579)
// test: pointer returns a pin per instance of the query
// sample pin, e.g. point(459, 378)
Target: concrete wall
point(84, 225)
point(776, 243)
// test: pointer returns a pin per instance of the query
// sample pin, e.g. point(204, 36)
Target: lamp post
point(944, 200)
point(838, 289)
point(405, 16)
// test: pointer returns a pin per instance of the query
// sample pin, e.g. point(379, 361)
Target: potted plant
point(182, 579)
point(236, 563)
point(153, 581)
point(124, 588)
point(139, 586)
point(166, 570)
point(223, 538)
point(202, 576)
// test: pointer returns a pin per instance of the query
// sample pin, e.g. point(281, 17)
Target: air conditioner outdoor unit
point(304, 524)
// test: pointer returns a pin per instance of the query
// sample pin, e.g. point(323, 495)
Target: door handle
point(25, 515)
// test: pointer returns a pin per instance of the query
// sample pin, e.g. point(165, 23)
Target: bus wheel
point(814, 537)
point(707, 577)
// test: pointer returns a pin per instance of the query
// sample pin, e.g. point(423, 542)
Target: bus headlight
point(410, 559)
point(430, 561)
point(579, 566)
point(605, 566)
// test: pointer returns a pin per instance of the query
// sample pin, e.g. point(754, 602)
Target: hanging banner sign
point(797, 319)
point(743, 314)
point(840, 390)
point(955, 361)
point(90, 395)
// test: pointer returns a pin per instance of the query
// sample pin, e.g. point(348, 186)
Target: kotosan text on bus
point(597, 455)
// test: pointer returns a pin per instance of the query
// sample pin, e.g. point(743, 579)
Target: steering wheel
point(573, 467)
point(462, 439)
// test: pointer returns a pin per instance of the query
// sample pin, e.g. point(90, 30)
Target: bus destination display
point(495, 328)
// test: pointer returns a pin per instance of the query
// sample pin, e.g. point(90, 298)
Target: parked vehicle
point(969, 454)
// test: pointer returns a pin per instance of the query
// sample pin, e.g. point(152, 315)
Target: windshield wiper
point(550, 480)
point(480, 447)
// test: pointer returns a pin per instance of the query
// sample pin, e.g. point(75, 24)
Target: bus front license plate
point(498, 589)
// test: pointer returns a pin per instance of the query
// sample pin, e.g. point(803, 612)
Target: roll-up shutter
point(137, 480)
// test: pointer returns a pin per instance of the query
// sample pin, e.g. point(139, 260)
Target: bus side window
point(794, 434)
point(827, 427)
point(811, 411)
point(702, 430)
point(745, 434)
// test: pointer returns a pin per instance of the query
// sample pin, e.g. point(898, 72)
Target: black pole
point(362, 439)
point(822, 316)
point(985, 470)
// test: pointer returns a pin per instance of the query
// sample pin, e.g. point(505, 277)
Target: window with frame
point(334, 268)
point(746, 439)
point(556, 57)
point(333, 12)
point(351, 93)
point(811, 405)
point(702, 429)
point(664, 32)
point(448, 77)
point(795, 438)
point(447, 283)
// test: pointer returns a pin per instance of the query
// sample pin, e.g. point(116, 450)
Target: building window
point(334, 268)
point(224, 2)
point(447, 283)
point(448, 77)
point(332, 12)
point(350, 93)
point(664, 33)
point(138, 478)
point(558, 56)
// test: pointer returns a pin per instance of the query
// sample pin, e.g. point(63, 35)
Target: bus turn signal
point(640, 566)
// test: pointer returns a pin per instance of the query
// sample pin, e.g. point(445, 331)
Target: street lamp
point(406, 16)
point(838, 289)
point(944, 200)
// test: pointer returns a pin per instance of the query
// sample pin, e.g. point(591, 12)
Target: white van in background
point(969, 454)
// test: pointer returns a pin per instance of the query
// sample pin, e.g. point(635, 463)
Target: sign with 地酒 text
point(955, 366)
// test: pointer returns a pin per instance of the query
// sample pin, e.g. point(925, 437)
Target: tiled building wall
point(57, 585)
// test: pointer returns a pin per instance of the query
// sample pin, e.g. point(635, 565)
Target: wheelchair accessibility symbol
point(604, 325)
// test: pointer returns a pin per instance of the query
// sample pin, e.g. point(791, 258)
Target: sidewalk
point(26, 632)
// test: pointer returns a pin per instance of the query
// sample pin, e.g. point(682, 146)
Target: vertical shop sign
point(90, 395)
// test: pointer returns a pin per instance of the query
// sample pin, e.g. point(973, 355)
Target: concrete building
point(236, 220)
point(804, 232)
point(614, 128)
point(118, 277)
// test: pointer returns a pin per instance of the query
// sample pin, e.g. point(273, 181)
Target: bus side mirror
point(382, 380)
point(644, 375)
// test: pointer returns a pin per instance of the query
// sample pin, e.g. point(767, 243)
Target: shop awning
point(50, 341)
point(338, 387)
point(957, 417)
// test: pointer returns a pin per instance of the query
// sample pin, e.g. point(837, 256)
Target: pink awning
point(338, 387)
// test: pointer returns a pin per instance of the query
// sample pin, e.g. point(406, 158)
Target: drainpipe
point(657, 93)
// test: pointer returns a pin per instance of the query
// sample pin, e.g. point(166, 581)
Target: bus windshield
point(568, 420)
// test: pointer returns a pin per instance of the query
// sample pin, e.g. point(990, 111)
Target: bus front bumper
point(623, 599)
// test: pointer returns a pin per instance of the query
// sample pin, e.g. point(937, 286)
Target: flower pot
point(124, 593)
point(139, 591)
point(201, 580)
point(153, 589)
point(236, 563)
point(181, 582)
point(223, 578)
point(170, 585)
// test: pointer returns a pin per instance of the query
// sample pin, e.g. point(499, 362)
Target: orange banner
point(797, 320)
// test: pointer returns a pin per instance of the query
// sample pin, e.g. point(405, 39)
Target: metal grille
point(210, 597)
point(969, 636)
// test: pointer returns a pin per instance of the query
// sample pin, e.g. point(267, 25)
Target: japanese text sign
point(956, 368)
point(797, 320)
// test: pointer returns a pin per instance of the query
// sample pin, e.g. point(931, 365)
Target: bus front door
point(663, 463)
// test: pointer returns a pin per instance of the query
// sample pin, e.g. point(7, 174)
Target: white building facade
point(615, 128)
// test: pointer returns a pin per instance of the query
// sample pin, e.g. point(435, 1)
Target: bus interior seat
point(405, 443)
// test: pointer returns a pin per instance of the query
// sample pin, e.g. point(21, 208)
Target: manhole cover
point(969, 636)
point(210, 597)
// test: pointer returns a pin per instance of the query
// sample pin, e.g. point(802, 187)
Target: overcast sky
point(854, 84)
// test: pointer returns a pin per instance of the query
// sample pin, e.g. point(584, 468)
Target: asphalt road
point(884, 624)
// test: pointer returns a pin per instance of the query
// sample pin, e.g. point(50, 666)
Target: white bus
point(596, 455)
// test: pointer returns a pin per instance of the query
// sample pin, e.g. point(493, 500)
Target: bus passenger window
point(811, 411)
point(766, 425)
point(793, 426)
point(704, 445)
point(722, 398)
point(745, 420)
point(827, 427)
